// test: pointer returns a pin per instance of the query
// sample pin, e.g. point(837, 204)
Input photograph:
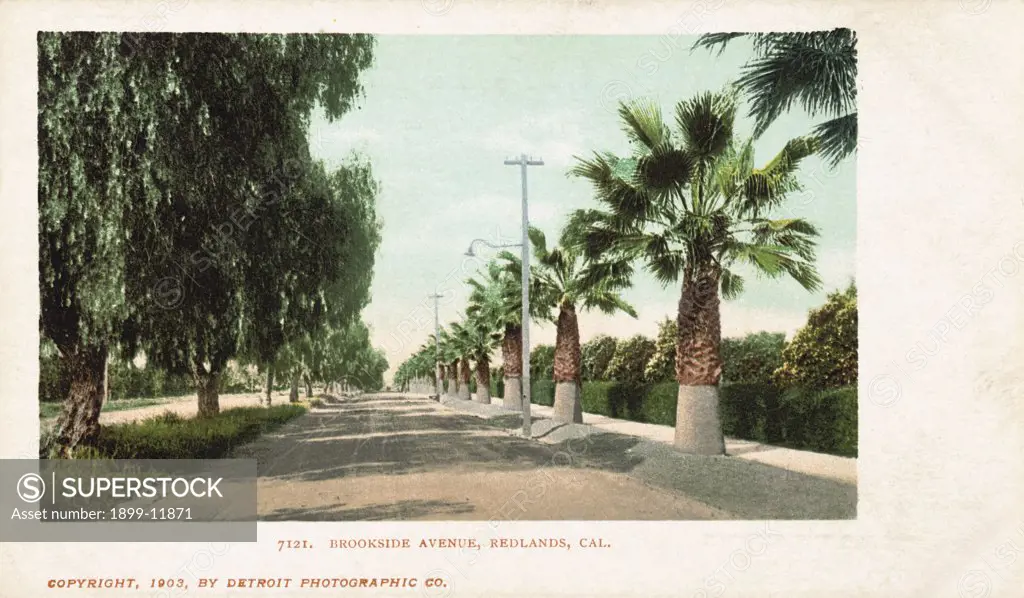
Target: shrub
point(168, 436)
point(597, 353)
point(542, 362)
point(823, 354)
point(822, 421)
point(751, 412)
point(497, 383)
point(630, 359)
point(662, 365)
point(659, 405)
point(542, 392)
point(595, 398)
point(752, 359)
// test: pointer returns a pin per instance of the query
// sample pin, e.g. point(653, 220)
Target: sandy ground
point(392, 457)
point(187, 406)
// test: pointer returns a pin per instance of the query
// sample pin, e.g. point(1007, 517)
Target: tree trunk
point(464, 373)
point(208, 387)
point(309, 386)
point(79, 421)
point(567, 406)
point(512, 355)
point(483, 381)
point(699, 364)
point(293, 396)
point(270, 383)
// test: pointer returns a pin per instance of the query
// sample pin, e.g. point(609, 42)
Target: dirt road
point(393, 457)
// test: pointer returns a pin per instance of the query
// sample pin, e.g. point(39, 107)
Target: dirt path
point(393, 457)
point(187, 406)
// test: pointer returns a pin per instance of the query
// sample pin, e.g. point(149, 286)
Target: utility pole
point(523, 161)
point(437, 346)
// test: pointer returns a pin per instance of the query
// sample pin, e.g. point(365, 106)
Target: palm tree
point(566, 279)
point(463, 345)
point(691, 204)
point(451, 352)
point(816, 69)
point(481, 336)
point(498, 299)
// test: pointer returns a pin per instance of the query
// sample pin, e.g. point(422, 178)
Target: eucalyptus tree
point(690, 204)
point(94, 164)
point(565, 279)
point(285, 306)
point(164, 141)
point(815, 69)
point(251, 225)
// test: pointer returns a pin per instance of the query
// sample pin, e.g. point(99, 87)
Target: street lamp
point(470, 253)
point(522, 162)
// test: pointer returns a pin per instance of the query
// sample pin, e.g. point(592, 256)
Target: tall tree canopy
point(174, 184)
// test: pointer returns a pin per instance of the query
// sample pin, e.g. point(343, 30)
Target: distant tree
point(752, 359)
point(823, 354)
point(597, 353)
point(662, 365)
point(630, 359)
point(563, 281)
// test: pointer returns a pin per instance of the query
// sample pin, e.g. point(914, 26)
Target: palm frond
point(539, 243)
point(837, 138)
point(665, 265)
point(706, 123)
point(608, 302)
point(732, 284)
point(765, 188)
point(711, 40)
point(643, 124)
point(665, 168)
point(816, 70)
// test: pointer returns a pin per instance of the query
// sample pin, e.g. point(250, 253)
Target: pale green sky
point(440, 115)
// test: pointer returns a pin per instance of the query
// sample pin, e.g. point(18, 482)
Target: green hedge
point(542, 392)
point(820, 421)
point(169, 436)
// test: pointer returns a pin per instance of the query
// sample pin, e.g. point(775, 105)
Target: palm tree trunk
point(567, 406)
point(483, 381)
point(464, 373)
point(453, 380)
point(699, 364)
point(512, 355)
point(79, 422)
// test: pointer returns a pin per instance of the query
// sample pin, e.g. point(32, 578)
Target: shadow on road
point(397, 511)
